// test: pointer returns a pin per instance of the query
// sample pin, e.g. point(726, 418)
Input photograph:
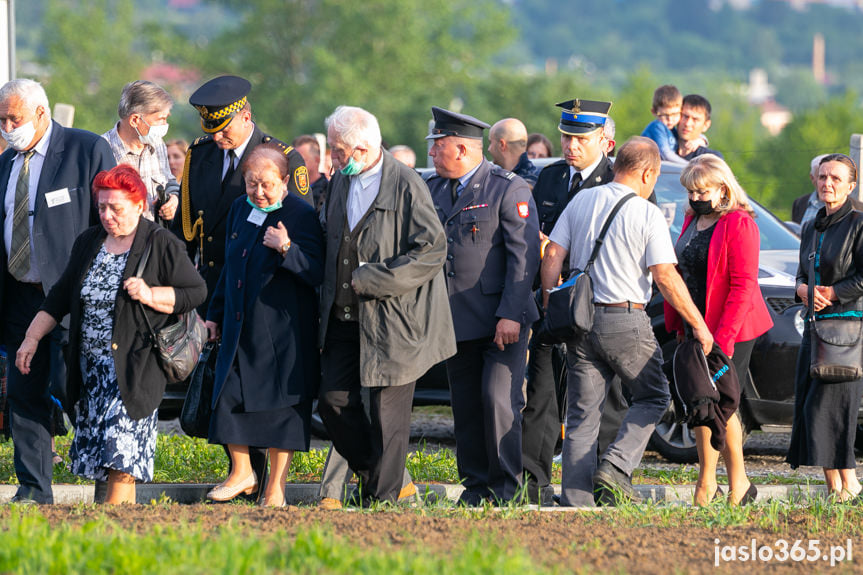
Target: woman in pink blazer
point(718, 258)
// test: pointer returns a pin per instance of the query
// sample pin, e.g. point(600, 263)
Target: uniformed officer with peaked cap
point(212, 180)
point(492, 231)
point(584, 165)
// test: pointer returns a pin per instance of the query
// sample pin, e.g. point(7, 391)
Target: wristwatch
point(283, 249)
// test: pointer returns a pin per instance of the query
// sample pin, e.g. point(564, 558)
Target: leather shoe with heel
point(222, 492)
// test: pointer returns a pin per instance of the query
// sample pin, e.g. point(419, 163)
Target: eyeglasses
point(267, 186)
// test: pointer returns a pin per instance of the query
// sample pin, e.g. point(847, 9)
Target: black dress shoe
point(750, 495)
point(556, 499)
point(470, 499)
point(23, 500)
point(613, 485)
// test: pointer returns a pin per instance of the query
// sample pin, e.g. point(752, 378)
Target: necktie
point(454, 183)
point(573, 187)
point(19, 259)
point(230, 172)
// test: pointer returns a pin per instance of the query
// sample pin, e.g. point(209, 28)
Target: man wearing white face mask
point(137, 140)
point(45, 177)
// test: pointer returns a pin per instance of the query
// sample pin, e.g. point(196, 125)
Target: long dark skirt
point(283, 428)
point(825, 417)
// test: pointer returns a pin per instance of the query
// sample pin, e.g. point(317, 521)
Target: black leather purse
point(837, 343)
point(178, 345)
point(198, 405)
point(570, 305)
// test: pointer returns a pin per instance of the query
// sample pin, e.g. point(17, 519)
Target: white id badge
point(58, 197)
point(256, 217)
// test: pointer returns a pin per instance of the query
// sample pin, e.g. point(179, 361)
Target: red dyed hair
point(124, 178)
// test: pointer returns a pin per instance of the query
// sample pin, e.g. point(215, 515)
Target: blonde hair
point(711, 171)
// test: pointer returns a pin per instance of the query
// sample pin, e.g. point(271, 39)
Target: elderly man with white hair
point(385, 316)
point(45, 175)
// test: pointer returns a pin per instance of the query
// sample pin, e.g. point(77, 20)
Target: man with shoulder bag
point(620, 342)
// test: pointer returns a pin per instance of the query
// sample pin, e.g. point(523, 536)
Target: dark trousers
point(30, 404)
point(542, 415)
point(487, 399)
point(376, 444)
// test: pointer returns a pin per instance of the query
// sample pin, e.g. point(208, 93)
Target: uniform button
point(449, 240)
point(347, 238)
point(210, 264)
point(449, 257)
point(234, 236)
point(238, 316)
point(245, 252)
point(239, 284)
point(347, 308)
point(346, 262)
point(451, 274)
point(209, 239)
point(345, 285)
point(114, 346)
point(347, 316)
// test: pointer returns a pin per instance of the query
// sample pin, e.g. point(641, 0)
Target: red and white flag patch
point(523, 209)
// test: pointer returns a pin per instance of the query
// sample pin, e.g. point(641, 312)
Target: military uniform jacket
point(266, 307)
point(492, 250)
point(202, 182)
point(551, 191)
point(404, 320)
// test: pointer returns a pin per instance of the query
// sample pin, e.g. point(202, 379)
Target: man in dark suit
point(492, 230)
point(384, 314)
point(46, 174)
point(584, 138)
point(213, 179)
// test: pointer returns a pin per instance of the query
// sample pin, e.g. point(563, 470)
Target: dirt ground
point(583, 542)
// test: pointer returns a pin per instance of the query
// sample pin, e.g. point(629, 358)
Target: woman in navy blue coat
point(265, 307)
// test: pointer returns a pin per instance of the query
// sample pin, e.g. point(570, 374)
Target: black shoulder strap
point(142, 263)
point(601, 237)
point(811, 287)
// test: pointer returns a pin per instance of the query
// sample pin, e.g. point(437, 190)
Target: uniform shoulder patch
point(283, 147)
point(523, 209)
point(201, 140)
point(301, 180)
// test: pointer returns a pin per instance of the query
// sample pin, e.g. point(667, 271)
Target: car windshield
point(673, 200)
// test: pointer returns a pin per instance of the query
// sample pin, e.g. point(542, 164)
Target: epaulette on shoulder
point(201, 140)
point(285, 148)
point(501, 173)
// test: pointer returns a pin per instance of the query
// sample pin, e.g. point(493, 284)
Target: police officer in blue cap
point(212, 178)
point(492, 229)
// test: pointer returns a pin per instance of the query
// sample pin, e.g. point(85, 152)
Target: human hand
point(506, 332)
point(25, 354)
point(276, 237)
point(169, 208)
point(822, 297)
point(803, 293)
point(704, 337)
point(138, 290)
point(213, 330)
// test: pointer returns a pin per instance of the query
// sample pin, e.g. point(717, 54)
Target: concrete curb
point(307, 493)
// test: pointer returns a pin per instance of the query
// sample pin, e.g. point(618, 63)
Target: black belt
point(624, 304)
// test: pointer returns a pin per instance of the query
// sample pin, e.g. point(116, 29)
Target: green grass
point(32, 546)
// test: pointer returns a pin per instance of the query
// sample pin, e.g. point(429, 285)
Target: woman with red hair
point(114, 380)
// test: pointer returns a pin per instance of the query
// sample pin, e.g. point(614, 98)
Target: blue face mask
point(266, 210)
point(353, 167)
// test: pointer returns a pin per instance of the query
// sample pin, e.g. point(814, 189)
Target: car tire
point(319, 430)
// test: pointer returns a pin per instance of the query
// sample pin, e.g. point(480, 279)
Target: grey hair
point(143, 97)
point(355, 127)
point(815, 163)
point(30, 91)
point(608, 129)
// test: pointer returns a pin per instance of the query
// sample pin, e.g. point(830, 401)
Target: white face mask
point(154, 136)
point(20, 137)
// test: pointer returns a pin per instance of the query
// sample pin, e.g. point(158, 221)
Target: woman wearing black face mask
point(718, 259)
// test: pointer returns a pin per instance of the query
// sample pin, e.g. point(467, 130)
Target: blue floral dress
point(106, 437)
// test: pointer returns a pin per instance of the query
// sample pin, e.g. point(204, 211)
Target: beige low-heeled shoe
point(222, 492)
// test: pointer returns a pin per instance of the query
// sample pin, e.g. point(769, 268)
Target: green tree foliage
point(90, 54)
point(396, 58)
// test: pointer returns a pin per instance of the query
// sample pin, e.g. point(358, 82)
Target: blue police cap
point(448, 123)
point(219, 100)
point(582, 116)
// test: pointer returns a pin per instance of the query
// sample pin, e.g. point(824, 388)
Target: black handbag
point(837, 343)
point(570, 305)
point(198, 405)
point(178, 345)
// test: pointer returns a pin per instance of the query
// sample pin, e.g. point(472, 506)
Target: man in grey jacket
point(384, 310)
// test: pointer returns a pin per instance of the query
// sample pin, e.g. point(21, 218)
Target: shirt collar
point(585, 173)
point(466, 178)
point(41, 146)
point(814, 201)
point(239, 150)
point(367, 177)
